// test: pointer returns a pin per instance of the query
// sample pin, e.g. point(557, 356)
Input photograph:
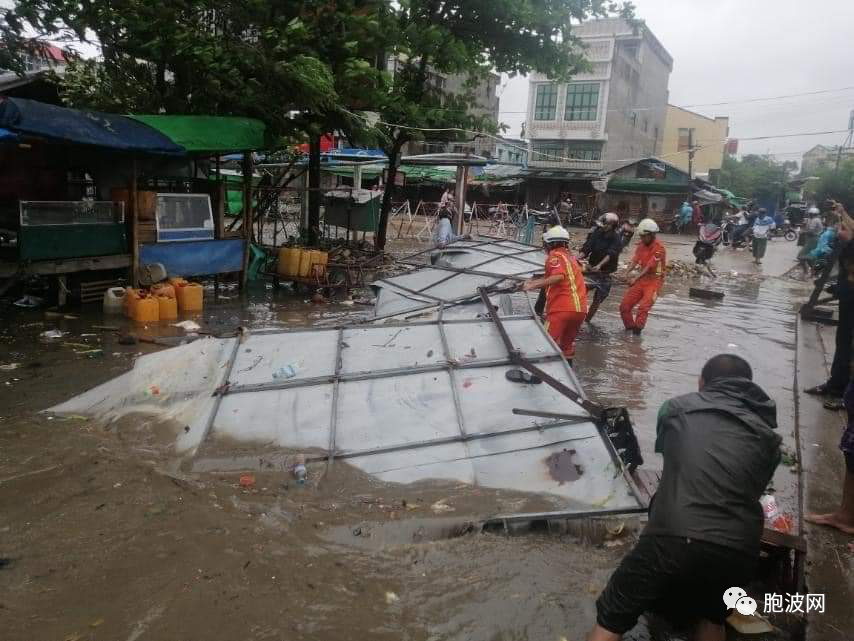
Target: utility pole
point(691, 153)
point(849, 141)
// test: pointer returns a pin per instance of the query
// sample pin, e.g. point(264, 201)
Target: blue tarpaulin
point(83, 127)
point(5, 134)
point(196, 258)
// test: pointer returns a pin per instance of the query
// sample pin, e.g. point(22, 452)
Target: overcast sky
point(730, 50)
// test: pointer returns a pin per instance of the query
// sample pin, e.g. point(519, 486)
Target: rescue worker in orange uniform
point(566, 292)
point(651, 257)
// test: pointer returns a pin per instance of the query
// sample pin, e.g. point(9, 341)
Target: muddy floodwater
point(107, 536)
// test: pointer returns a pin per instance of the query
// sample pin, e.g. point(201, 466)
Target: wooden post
point(62, 294)
point(460, 199)
point(134, 225)
point(314, 191)
point(247, 215)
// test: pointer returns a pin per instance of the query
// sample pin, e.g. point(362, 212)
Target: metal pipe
point(367, 376)
point(447, 352)
point(568, 514)
point(223, 385)
point(333, 420)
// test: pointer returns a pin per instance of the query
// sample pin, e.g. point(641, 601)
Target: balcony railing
point(579, 165)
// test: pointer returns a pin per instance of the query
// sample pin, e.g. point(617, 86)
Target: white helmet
point(812, 211)
point(556, 234)
point(647, 226)
point(608, 218)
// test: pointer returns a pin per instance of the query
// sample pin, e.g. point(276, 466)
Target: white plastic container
point(114, 299)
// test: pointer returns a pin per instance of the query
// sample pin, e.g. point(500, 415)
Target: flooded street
point(109, 537)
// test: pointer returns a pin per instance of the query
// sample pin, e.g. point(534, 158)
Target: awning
point(346, 171)
point(82, 127)
point(648, 186)
point(208, 134)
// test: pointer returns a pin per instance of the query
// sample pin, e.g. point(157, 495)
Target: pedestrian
point(686, 213)
point(565, 210)
point(822, 251)
point(447, 199)
point(602, 250)
point(627, 231)
point(696, 213)
point(651, 258)
point(810, 235)
point(720, 450)
point(566, 293)
point(843, 518)
point(840, 370)
point(444, 233)
point(762, 226)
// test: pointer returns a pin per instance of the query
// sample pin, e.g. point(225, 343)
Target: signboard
point(732, 146)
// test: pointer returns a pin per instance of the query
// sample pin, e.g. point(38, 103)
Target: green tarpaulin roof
point(209, 134)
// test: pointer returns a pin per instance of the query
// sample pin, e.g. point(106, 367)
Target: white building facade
point(608, 116)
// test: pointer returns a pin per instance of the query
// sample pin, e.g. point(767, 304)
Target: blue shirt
point(444, 233)
point(687, 212)
point(825, 244)
point(762, 225)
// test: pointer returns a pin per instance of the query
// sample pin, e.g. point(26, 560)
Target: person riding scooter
point(709, 237)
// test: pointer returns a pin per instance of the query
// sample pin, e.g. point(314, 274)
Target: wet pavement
point(830, 566)
point(109, 539)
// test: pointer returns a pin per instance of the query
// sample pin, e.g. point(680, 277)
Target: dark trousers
point(840, 371)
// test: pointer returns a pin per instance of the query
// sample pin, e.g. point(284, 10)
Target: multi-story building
point(604, 118)
point(511, 151)
point(485, 104)
point(33, 84)
point(823, 157)
point(684, 130)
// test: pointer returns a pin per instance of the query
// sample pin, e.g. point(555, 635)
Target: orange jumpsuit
point(644, 292)
point(566, 301)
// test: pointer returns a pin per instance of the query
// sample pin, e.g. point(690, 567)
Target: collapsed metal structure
point(404, 400)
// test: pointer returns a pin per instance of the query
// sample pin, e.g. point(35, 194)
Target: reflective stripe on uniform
point(573, 286)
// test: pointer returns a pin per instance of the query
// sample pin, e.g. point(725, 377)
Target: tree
point(836, 184)
point(758, 177)
point(472, 37)
point(223, 57)
point(296, 66)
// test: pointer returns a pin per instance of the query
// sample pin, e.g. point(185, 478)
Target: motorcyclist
point(709, 237)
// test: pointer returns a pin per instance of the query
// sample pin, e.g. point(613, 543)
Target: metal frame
point(597, 411)
point(449, 365)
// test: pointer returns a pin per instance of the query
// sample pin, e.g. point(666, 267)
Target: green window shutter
point(582, 101)
point(545, 103)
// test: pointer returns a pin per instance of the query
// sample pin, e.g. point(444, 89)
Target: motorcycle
point(708, 239)
point(786, 230)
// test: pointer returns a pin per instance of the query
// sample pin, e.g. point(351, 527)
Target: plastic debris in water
point(53, 333)
point(391, 597)
point(288, 371)
point(299, 469)
point(188, 326)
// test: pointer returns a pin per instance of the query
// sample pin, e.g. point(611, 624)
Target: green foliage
point(836, 184)
point(261, 58)
point(474, 38)
point(758, 177)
